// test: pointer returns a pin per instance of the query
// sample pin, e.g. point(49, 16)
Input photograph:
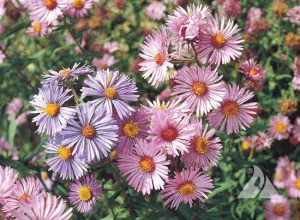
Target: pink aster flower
point(38, 29)
point(146, 168)
point(252, 70)
point(296, 128)
point(110, 47)
point(262, 141)
point(277, 208)
point(283, 171)
point(235, 112)
point(78, 8)
point(204, 148)
point(293, 15)
point(296, 66)
point(255, 22)
point(202, 89)
point(105, 62)
point(22, 118)
point(232, 7)
point(156, 61)
point(170, 133)
point(4, 145)
point(296, 82)
point(13, 107)
point(293, 185)
point(156, 10)
point(8, 177)
point(220, 43)
point(280, 127)
point(186, 187)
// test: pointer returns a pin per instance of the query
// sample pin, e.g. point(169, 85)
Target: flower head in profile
point(156, 58)
point(84, 193)
point(280, 127)
point(38, 29)
point(186, 187)
point(202, 89)
point(112, 90)
point(235, 112)
point(79, 8)
point(8, 177)
point(92, 135)
point(220, 43)
point(252, 70)
point(52, 115)
point(277, 208)
point(63, 162)
point(146, 168)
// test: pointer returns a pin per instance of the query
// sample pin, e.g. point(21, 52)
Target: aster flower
point(13, 107)
point(277, 208)
point(4, 145)
point(156, 10)
point(52, 116)
point(255, 22)
point(232, 7)
point(186, 187)
point(170, 133)
point(44, 206)
point(280, 127)
point(202, 89)
point(156, 57)
point(146, 168)
point(46, 10)
point(293, 184)
point(93, 135)
point(84, 193)
point(283, 171)
point(219, 43)
point(235, 112)
point(296, 128)
point(296, 82)
point(204, 148)
point(247, 143)
point(65, 164)
point(112, 90)
point(38, 29)
point(110, 46)
point(131, 129)
point(79, 8)
point(105, 62)
point(8, 177)
point(262, 141)
point(252, 70)
point(293, 15)
point(296, 66)
point(66, 73)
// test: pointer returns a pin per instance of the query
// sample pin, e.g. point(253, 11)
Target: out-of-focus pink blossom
point(296, 66)
point(296, 82)
point(4, 146)
point(103, 63)
point(22, 118)
point(110, 47)
point(255, 22)
point(165, 94)
point(293, 15)
point(156, 10)
point(13, 108)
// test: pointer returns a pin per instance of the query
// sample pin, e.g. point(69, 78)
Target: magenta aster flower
point(293, 184)
point(172, 134)
point(220, 43)
point(156, 10)
point(252, 70)
point(79, 8)
point(38, 29)
point(277, 208)
point(234, 113)
point(64, 163)
point(280, 127)
point(146, 168)
point(156, 57)
point(92, 135)
point(204, 148)
point(202, 89)
point(112, 90)
point(84, 193)
point(131, 129)
point(187, 186)
point(46, 10)
point(66, 73)
point(52, 116)
point(8, 177)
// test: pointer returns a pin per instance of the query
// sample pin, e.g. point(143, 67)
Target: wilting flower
point(202, 89)
point(52, 116)
point(219, 43)
point(292, 40)
point(156, 59)
point(293, 15)
point(146, 168)
point(262, 141)
point(234, 113)
point(288, 106)
point(187, 186)
point(8, 177)
point(66, 73)
point(105, 62)
point(280, 127)
point(156, 10)
point(84, 193)
point(38, 29)
point(293, 184)
point(277, 208)
point(112, 90)
point(252, 70)
point(64, 163)
point(279, 7)
point(13, 107)
point(79, 8)
point(204, 148)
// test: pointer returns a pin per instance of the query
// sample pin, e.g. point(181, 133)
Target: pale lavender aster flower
point(296, 82)
point(8, 177)
point(280, 127)
point(110, 46)
point(156, 10)
point(79, 8)
point(293, 15)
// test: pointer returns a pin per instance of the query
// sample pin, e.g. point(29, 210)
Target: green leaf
point(13, 30)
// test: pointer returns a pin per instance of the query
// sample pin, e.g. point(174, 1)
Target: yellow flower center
point(114, 153)
point(52, 109)
point(245, 145)
point(161, 107)
point(280, 127)
point(146, 164)
point(50, 4)
point(65, 72)
point(252, 72)
point(169, 134)
point(103, 66)
point(24, 198)
point(89, 131)
point(278, 210)
point(199, 89)
point(159, 58)
point(37, 27)
point(201, 145)
point(131, 129)
point(187, 188)
point(64, 153)
point(85, 193)
point(110, 93)
point(297, 184)
point(44, 175)
point(278, 176)
point(78, 4)
point(230, 109)
point(218, 40)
